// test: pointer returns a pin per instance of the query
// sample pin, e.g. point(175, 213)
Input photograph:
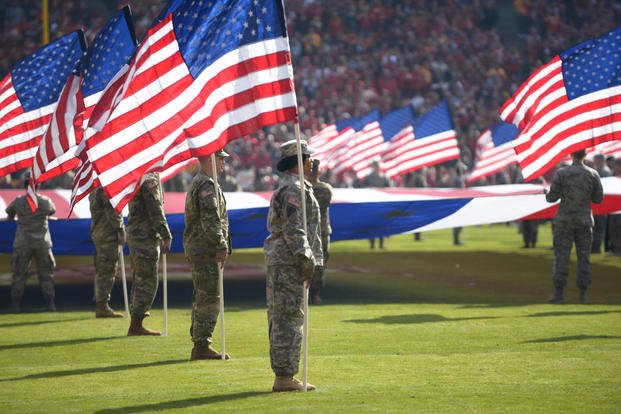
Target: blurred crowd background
point(353, 56)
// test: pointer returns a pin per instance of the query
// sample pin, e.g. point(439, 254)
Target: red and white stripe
point(362, 149)
point(551, 125)
point(165, 116)
point(20, 132)
point(328, 142)
point(490, 158)
point(405, 153)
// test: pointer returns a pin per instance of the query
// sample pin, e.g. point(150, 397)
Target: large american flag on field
point(494, 151)
point(28, 97)
point(112, 47)
point(331, 142)
point(208, 73)
point(572, 102)
point(430, 140)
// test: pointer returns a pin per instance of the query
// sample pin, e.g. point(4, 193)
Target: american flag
point(28, 97)
point(330, 138)
point(430, 140)
point(494, 151)
point(388, 127)
point(208, 73)
point(111, 49)
point(572, 102)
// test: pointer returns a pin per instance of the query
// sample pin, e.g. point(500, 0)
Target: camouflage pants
point(20, 262)
point(319, 277)
point(565, 235)
point(530, 231)
point(106, 259)
point(598, 233)
point(615, 233)
point(285, 294)
point(205, 299)
point(144, 258)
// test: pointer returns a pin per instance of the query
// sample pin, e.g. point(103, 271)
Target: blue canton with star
point(593, 65)
point(208, 29)
point(39, 78)
point(113, 46)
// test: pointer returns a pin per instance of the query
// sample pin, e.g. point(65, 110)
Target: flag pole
point(124, 280)
point(305, 304)
point(165, 286)
point(214, 176)
point(45, 14)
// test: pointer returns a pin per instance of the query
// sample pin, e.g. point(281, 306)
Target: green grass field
point(419, 327)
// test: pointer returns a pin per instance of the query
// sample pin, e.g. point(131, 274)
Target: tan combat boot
point(206, 352)
point(283, 384)
point(103, 310)
point(136, 328)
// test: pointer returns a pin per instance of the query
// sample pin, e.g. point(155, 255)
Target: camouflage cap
point(289, 150)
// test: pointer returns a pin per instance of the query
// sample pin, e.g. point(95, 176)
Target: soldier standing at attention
point(147, 230)
point(32, 240)
point(206, 243)
point(291, 255)
point(323, 194)
point(576, 186)
point(107, 233)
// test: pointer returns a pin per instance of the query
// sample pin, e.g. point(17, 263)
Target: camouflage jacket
point(287, 242)
point(146, 219)
point(106, 223)
point(577, 186)
point(323, 194)
point(206, 220)
point(32, 228)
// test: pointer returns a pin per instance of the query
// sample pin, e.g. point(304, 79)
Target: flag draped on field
point(208, 73)
point(430, 140)
point(111, 48)
point(494, 151)
point(28, 97)
point(572, 102)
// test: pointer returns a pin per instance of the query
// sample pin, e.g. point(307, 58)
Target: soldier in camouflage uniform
point(291, 256)
point(32, 240)
point(147, 230)
point(108, 234)
point(576, 186)
point(323, 194)
point(206, 244)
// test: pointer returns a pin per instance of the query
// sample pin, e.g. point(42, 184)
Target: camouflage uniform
point(323, 194)
point(577, 186)
point(146, 228)
point(106, 226)
point(206, 232)
point(32, 240)
point(287, 250)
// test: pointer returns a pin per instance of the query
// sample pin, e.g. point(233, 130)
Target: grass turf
point(420, 327)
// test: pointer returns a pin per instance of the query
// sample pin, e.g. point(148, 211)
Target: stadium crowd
point(365, 55)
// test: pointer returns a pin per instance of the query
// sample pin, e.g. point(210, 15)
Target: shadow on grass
point(189, 402)
point(33, 323)
point(542, 314)
point(57, 343)
point(421, 318)
point(84, 371)
point(571, 338)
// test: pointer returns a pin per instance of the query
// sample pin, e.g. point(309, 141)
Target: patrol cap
point(289, 152)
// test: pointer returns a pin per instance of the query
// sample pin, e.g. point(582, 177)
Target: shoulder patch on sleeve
point(291, 200)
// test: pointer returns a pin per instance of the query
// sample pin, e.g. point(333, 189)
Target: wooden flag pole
point(220, 270)
point(165, 286)
point(124, 280)
point(305, 304)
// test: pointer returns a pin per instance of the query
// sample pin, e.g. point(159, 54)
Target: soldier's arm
point(155, 209)
point(210, 216)
point(597, 196)
point(10, 211)
point(555, 189)
point(293, 231)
